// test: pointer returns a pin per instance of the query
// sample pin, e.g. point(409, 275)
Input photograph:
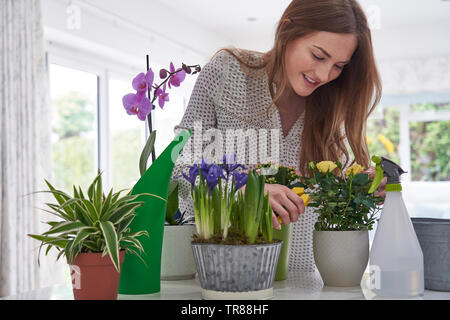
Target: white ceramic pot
point(177, 259)
point(341, 256)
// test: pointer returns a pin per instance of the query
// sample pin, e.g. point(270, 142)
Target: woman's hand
point(285, 202)
point(381, 190)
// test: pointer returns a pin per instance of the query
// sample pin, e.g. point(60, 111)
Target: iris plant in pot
point(234, 249)
point(177, 260)
point(346, 212)
point(92, 232)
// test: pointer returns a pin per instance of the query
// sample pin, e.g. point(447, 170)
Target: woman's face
point(317, 59)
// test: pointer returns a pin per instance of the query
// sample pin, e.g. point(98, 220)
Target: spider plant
point(92, 222)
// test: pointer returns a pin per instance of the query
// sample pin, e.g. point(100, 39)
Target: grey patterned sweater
point(225, 100)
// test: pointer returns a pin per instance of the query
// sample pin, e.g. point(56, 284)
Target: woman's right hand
point(285, 202)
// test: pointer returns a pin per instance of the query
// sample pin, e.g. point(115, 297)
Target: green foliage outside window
point(74, 140)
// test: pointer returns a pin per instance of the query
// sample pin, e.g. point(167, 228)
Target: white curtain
point(25, 145)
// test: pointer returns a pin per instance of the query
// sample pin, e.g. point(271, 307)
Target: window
point(74, 96)
point(383, 133)
point(430, 143)
point(417, 136)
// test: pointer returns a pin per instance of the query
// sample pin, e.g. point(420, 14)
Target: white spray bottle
point(396, 259)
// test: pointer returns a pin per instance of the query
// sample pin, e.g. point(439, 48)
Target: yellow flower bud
point(298, 190)
point(356, 168)
point(325, 166)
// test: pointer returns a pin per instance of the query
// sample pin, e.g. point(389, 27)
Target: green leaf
point(66, 227)
point(111, 240)
point(172, 202)
point(106, 205)
point(56, 241)
point(149, 145)
point(91, 210)
point(361, 179)
point(98, 193)
point(123, 211)
point(82, 235)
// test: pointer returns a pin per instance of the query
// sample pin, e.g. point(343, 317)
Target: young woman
point(316, 87)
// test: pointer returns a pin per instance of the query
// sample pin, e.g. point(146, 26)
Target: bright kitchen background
point(96, 47)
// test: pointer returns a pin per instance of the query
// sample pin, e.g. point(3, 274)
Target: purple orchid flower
point(162, 96)
point(176, 79)
point(240, 179)
point(137, 104)
point(143, 81)
point(193, 173)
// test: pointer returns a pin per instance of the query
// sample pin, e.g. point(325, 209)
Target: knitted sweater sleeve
point(200, 111)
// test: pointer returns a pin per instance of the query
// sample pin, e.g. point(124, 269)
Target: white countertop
point(304, 286)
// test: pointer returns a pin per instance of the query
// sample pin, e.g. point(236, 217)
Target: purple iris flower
point(143, 81)
point(176, 79)
point(240, 178)
point(193, 173)
point(204, 168)
point(162, 96)
point(229, 164)
point(213, 176)
point(137, 104)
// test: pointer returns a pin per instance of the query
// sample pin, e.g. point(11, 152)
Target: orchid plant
point(140, 105)
point(219, 210)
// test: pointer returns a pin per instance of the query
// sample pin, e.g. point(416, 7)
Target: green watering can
point(137, 277)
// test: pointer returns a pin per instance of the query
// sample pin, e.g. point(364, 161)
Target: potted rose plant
point(346, 212)
point(177, 260)
point(234, 249)
point(93, 233)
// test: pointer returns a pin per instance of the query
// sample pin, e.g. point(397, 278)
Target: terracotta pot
point(94, 277)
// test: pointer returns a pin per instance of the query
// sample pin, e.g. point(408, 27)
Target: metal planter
point(434, 239)
point(236, 271)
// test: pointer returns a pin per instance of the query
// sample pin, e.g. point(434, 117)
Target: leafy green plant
point(92, 222)
point(286, 176)
point(221, 208)
point(252, 213)
point(342, 199)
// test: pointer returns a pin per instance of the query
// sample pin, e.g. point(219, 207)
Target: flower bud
point(163, 73)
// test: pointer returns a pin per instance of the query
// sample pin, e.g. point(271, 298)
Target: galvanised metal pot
point(236, 271)
point(434, 238)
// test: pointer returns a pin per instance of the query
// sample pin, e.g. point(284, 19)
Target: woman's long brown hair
point(345, 102)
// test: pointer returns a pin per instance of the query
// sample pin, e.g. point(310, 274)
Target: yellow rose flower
point(325, 166)
point(298, 190)
point(305, 199)
point(356, 168)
